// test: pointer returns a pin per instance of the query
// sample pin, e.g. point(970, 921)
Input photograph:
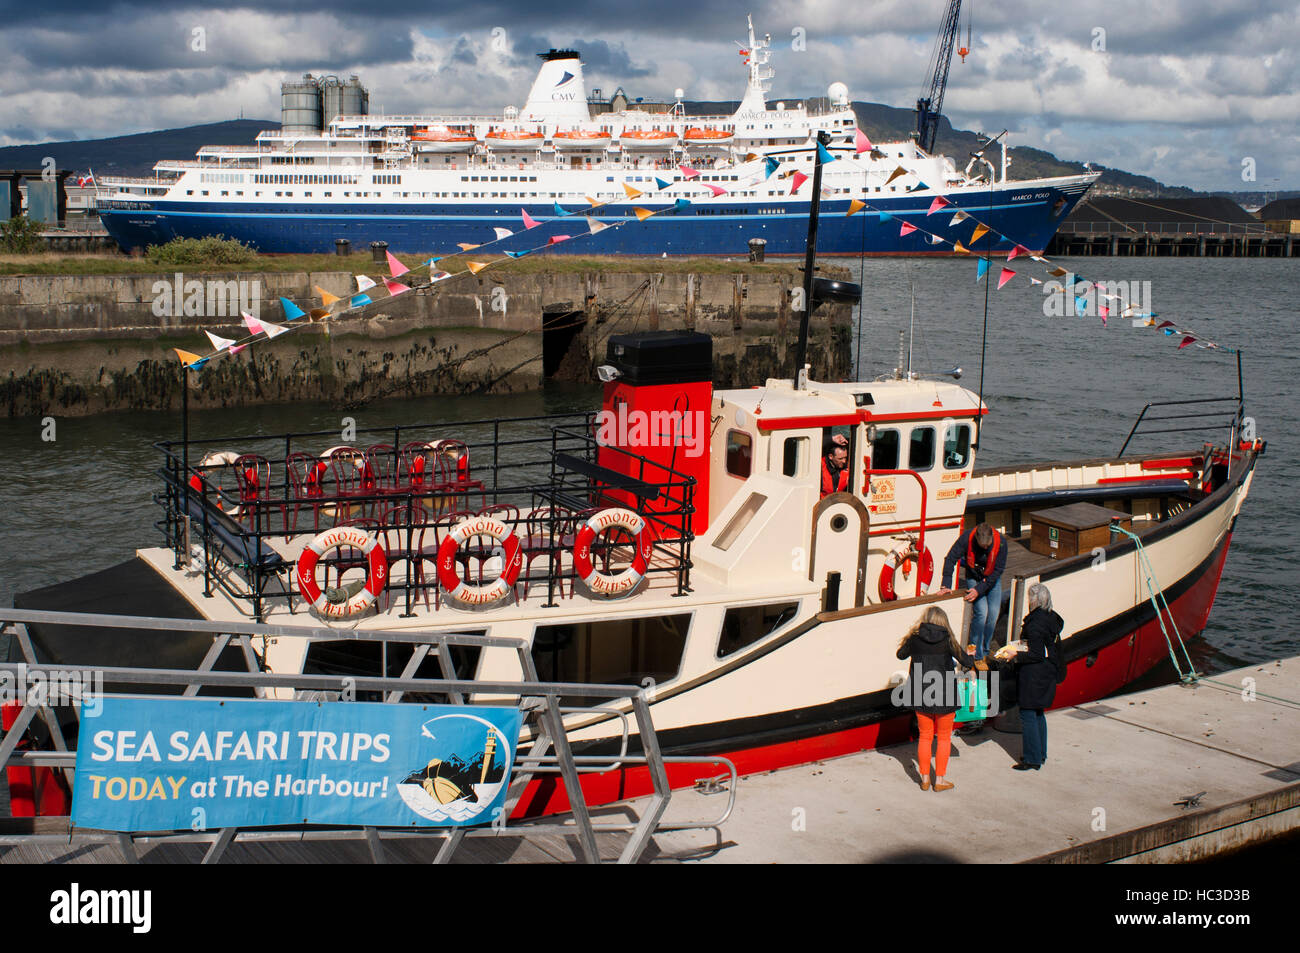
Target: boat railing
point(1201, 414)
point(543, 756)
point(250, 503)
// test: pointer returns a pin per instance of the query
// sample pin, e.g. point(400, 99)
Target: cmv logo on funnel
point(635, 429)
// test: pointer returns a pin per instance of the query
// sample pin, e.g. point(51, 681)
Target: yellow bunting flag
point(895, 174)
point(631, 192)
point(960, 249)
point(326, 298)
point(465, 246)
point(186, 357)
point(751, 157)
point(980, 231)
point(317, 313)
point(593, 202)
point(1058, 272)
point(855, 206)
point(475, 266)
point(642, 214)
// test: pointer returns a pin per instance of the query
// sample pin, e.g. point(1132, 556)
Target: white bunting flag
point(218, 343)
point(364, 283)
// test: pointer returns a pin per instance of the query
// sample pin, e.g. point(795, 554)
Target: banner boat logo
point(466, 770)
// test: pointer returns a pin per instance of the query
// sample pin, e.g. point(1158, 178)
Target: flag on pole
point(395, 267)
point(529, 222)
point(861, 142)
point(1006, 275)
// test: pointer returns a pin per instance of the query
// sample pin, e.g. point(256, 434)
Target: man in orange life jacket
point(835, 466)
point(983, 554)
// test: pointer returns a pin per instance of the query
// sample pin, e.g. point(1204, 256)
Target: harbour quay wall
point(83, 344)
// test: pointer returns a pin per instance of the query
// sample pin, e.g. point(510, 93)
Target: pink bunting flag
point(863, 144)
point(1007, 275)
point(395, 267)
point(529, 221)
point(254, 326)
point(938, 203)
point(556, 239)
point(235, 349)
point(906, 228)
point(395, 287)
point(688, 172)
point(1186, 341)
point(798, 180)
point(1018, 250)
point(1103, 311)
point(715, 189)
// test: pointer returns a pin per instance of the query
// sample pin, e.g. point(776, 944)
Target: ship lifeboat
point(513, 139)
point(581, 139)
point(442, 139)
point(647, 138)
point(708, 135)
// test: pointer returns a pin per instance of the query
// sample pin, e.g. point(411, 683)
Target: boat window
point(736, 525)
point(745, 625)
point(956, 446)
point(611, 651)
point(795, 456)
point(884, 450)
point(740, 453)
point(387, 660)
point(920, 455)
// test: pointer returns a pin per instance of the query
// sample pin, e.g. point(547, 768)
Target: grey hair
point(1039, 597)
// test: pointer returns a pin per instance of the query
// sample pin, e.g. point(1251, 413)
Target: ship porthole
point(839, 522)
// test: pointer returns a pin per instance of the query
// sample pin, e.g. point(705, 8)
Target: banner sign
point(154, 764)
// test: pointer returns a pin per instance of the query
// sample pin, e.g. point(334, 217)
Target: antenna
point(911, 329)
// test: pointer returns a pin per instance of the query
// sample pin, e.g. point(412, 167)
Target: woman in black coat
point(1035, 667)
point(931, 689)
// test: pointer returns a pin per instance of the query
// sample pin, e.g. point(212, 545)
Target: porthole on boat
point(744, 625)
point(611, 651)
point(839, 523)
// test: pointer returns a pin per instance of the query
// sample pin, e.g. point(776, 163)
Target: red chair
point(351, 479)
point(306, 476)
point(549, 535)
point(452, 473)
point(346, 558)
point(403, 529)
point(381, 463)
point(253, 472)
point(415, 466)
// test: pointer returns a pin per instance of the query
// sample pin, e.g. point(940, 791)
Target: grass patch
point(539, 263)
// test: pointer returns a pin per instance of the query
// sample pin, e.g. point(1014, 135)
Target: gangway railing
point(543, 747)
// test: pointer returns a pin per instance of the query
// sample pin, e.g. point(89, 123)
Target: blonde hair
point(933, 616)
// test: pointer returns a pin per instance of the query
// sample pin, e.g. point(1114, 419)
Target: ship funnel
point(559, 94)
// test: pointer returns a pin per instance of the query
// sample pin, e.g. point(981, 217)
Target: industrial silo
point(356, 101)
point(331, 98)
point(300, 106)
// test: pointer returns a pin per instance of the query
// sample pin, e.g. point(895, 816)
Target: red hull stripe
point(1172, 462)
point(1111, 667)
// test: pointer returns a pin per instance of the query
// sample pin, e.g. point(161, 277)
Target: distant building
point(598, 105)
point(1282, 215)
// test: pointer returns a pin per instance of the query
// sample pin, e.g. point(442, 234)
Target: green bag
point(973, 695)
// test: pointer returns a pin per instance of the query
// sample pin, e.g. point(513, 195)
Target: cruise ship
point(424, 183)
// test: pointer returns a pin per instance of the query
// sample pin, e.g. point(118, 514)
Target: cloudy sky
point(1192, 92)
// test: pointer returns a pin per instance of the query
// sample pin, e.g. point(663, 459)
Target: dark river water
point(1057, 388)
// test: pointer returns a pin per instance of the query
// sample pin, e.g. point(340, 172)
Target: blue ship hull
point(1029, 216)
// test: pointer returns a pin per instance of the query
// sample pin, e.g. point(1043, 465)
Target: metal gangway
point(543, 749)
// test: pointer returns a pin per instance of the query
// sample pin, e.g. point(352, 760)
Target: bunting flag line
point(681, 205)
point(798, 179)
point(960, 249)
point(1018, 250)
point(855, 206)
point(982, 270)
point(715, 189)
point(642, 214)
point(502, 233)
point(900, 171)
point(326, 298)
point(662, 184)
point(254, 326)
point(595, 226)
point(188, 359)
point(631, 192)
point(554, 240)
point(885, 217)
point(1006, 275)
point(359, 300)
point(466, 246)
point(218, 343)
point(529, 221)
point(958, 217)
point(395, 267)
point(688, 172)
point(365, 284)
point(770, 165)
point(475, 266)
point(1186, 341)
point(861, 143)
point(906, 228)
point(939, 203)
point(395, 288)
point(518, 254)
point(559, 211)
point(980, 232)
point(824, 155)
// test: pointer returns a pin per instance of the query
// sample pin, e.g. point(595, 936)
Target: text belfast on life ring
point(512, 558)
point(625, 581)
point(376, 571)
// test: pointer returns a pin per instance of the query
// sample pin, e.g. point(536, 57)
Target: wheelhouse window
point(920, 452)
point(794, 456)
point(740, 453)
point(884, 450)
point(956, 446)
point(611, 651)
point(745, 625)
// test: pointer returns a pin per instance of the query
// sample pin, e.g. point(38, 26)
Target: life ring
point(376, 571)
point(604, 583)
point(449, 576)
point(903, 557)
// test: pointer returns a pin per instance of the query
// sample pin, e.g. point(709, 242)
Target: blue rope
point(1157, 600)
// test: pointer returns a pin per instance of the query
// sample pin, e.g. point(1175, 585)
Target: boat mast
point(823, 139)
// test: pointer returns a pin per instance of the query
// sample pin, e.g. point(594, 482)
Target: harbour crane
point(930, 106)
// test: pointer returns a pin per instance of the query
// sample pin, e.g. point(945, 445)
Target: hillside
point(136, 154)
